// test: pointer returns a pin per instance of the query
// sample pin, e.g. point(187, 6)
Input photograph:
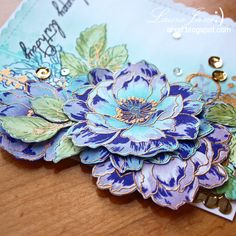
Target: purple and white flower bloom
point(171, 184)
point(140, 133)
point(17, 103)
point(135, 112)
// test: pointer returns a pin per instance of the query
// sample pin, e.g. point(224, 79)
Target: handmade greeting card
point(143, 92)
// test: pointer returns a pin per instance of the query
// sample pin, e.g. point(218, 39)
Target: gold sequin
point(43, 73)
point(215, 62)
point(219, 75)
point(224, 206)
point(212, 201)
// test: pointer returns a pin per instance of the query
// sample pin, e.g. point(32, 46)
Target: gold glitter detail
point(219, 90)
point(229, 99)
point(19, 82)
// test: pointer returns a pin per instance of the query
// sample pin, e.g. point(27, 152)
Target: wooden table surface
point(47, 199)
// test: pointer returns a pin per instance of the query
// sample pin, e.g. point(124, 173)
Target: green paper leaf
point(76, 66)
point(66, 149)
point(229, 188)
point(91, 43)
point(49, 108)
point(30, 129)
point(223, 114)
point(232, 156)
point(114, 58)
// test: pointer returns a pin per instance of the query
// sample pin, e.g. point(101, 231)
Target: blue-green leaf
point(91, 43)
point(66, 149)
point(224, 114)
point(76, 66)
point(30, 129)
point(229, 188)
point(49, 108)
point(114, 58)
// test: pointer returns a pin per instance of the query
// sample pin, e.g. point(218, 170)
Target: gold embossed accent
point(135, 110)
point(215, 62)
point(219, 76)
point(43, 73)
point(7, 76)
point(219, 90)
point(212, 201)
point(229, 99)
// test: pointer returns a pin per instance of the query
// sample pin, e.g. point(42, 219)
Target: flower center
point(135, 110)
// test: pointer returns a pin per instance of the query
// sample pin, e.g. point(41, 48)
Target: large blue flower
point(135, 112)
point(169, 182)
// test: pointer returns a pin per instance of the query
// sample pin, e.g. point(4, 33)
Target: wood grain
point(47, 199)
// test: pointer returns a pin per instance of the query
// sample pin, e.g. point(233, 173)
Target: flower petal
point(160, 88)
point(98, 75)
point(100, 124)
point(187, 149)
point(131, 85)
point(101, 99)
point(52, 145)
point(167, 124)
point(139, 133)
point(192, 107)
point(220, 134)
point(171, 174)
point(187, 127)
point(21, 150)
point(109, 178)
point(82, 136)
point(124, 147)
point(38, 89)
point(76, 110)
point(205, 129)
point(103, 169)
point(170, 107)
point(93, 156)
point(145, 181)
point(175, 199)
point(215, 177)
point(117, 184)
point(13, 110)
point(221, 152)
point(186, 90)
point(161, 158)
point(123, 164)
point(202, 159)
point(15, 97)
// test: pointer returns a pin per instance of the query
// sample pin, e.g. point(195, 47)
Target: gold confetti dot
point(230, 85)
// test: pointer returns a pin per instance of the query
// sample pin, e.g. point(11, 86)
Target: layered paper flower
point(140, 133)
point(171, 184)
point(135, 112)
point(30, 129)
